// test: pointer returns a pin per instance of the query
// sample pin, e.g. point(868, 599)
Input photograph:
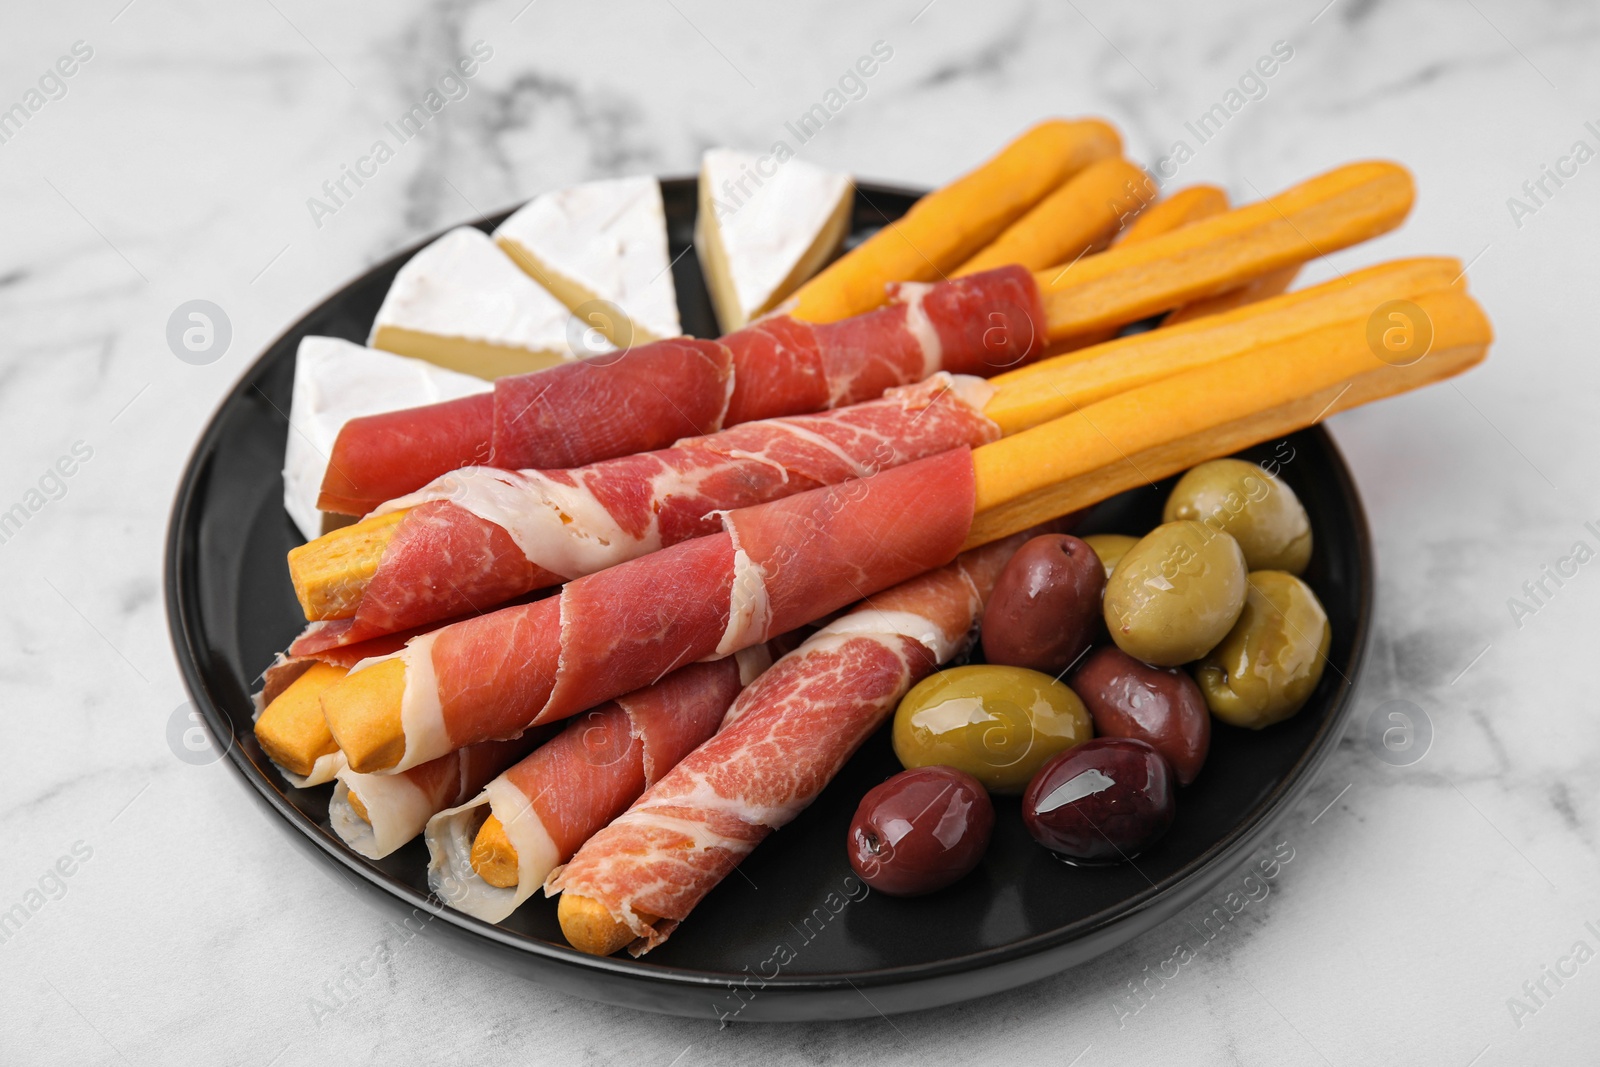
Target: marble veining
point(1421, 901)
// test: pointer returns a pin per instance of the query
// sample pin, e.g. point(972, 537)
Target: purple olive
point(1159, 705)
point(1103, 802)
point(1045, 609)
point(920, 831)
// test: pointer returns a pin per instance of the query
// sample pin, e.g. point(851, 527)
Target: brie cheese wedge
point(336, 381)
point(461, 303)
point(601, 248)
point(761, 235)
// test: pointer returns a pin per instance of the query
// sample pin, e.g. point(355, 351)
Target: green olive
point(1110, 548)
point(1272, 659)
point(1255, 508)
point(998, 724)
point(1175, 594)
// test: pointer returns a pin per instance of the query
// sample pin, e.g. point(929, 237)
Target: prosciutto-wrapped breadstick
point(783, 740)
point(490, 854)
point(478, 537)
point(290, 726)
point(652, 395)
point(981, 324)
point(779, 565)
point(377, 813)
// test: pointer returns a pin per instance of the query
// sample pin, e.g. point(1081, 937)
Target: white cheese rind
point(336, 381)
point(767, 223)
point(608, 238)
point(464, 286)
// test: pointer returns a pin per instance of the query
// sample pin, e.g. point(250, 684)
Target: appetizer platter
point(770, 596)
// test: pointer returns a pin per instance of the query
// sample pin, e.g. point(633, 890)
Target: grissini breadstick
point(1060, 385)
point(330, 579)
point(945, 227)
point(1170, 425)
point(1268, 285)
point(1345, 206)
point(1079, 217)
point(1189, 204)
point(782, 564)
point(1204, 202)
point(293, 733)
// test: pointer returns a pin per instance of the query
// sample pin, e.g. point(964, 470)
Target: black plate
point(1020, 917)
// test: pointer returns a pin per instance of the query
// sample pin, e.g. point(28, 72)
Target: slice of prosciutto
point(288, 667)
point(398, 806)
point(776, 566)
point(478, 537)
point(783, 740)
point(554, 800)
point(649, 396)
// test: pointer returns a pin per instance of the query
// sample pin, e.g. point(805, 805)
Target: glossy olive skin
point(1103, 802)
point(920, 830)
point(1175, 594)
point(998, 724)
point(1045, 608)
point(1256, 508)
point(1110, 548)
point(1160, 706)
point(1270, 662)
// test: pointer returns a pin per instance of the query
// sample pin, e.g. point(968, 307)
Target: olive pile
point(1204, 615)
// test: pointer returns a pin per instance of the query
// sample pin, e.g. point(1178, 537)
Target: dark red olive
point(920, 831)
point(1103, 802)
point(1045, 609)
point(1160, 705)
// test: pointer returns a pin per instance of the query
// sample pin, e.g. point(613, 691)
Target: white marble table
point(176, 163)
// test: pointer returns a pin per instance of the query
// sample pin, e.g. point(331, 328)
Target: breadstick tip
point(291, 730)
point(590, 927)
point(493, 855)
point(363, 714)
